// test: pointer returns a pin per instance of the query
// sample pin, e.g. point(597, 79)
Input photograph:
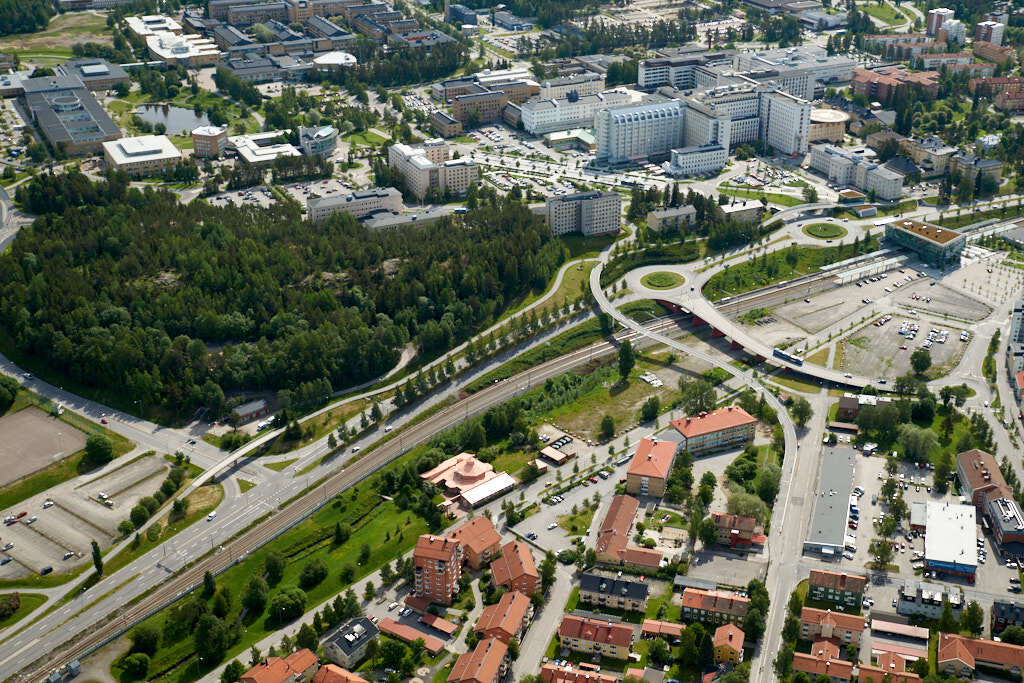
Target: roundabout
point(662, 279)
point(824, 231)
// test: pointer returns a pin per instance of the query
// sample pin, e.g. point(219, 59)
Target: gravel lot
point(31, 440)
point(875, 351)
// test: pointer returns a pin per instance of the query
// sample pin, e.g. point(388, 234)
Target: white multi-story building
point(955, 30)
point(359, 204)
point(684, 71)
point(822, 66)
point(990, 32)
point(318, 141)
point(542, 116)
point(785, 122)
point(589, 213)
point(638, 132)
point(588, 83)
point(428, 167)
point(141, 155)
point(856, 167)
point(936, 18)
point(691, 161)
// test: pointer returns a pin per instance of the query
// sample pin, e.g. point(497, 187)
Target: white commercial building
point(583, 84)
point(955, 30)
point(822, 66)
point(152, 23)
point(318, 141)
point(936, 18)
point(588, 213)
point(428, 167)
point(950, 538)
point(141, 155)
point(691, 161)
point(857, 168)
point(785, 122)
point(542, 116)
point(187, 49)
point(990, 32)
point(263, 148)
point(637, 132)
point(359, 204)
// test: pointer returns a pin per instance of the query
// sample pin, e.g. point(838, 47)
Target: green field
point(771, 197)
point(662, 279)
point(884, 13)
point(54, 43)
point(824, 231)
point(29, 603)
point(366, 138)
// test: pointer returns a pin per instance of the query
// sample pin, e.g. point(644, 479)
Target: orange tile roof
point(515, 561)
point(478, 534)
point(729, 634)
point(892, 661)
point(824, 659)
point(652, 459)
point(506, 615)
point(971, 650)
point(641, 557)
point(409, 634)
point(481, 665)
point(1020, 379)
point(661, 628)
point(270, 670)
point(614, 533)
point(849, 622)
point(876, 674)
point(720, 602)
point(715, 421)
point(595, 631)
point(982, 471)
point(837, 580)
point(552, 673)
point(442, 625)
point(430, 547)
point(634, 671)
point(332, 673)
point(300, 660)
point(724, 520)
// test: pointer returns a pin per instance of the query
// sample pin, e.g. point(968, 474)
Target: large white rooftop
point(490, 488)
point(260, 147)
point(142, 148)
point(951, 534)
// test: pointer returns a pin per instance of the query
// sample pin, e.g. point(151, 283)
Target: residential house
point(347, 646)
point(506, 619)
point(649, 469)
point(823, 624)
point(714, 606)
point(1005, 613)
point(332, 673)
point(728, 427)
point(736, 531)
point(728, 644)
point(596, 636)
point(623, 594)
point(479, 540)
point(890, 668)
point(486, 663)
point(836, 587)
point(437, 567)
point(613, 545)
point(297, 667)
point(514, 568)
point(962, 656)
point(823, 660)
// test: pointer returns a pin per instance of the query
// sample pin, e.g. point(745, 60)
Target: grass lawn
point(662, 280)
point(280, 465)
point(245, 485)
point(29, 603)
point(578, 524)
point(884, 13)
point(366, 138)
point(952, 220)
point(818, 357)
point(379, 524)
point(323, 424)
point(575, 283)
point(791, 381)
point(573, 601)
point(57, 38)
point(902, 207)
point(783, 264)
point(586, 247)
point(669, 613)
point(642, 311)
point(824, 231)
point(773, 198)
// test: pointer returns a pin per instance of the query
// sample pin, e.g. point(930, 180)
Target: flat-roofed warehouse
point(950, 540)
point(68, 115)
point(941, 247)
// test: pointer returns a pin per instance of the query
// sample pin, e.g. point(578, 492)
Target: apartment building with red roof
point(480, 541)
point(823, 660)
point(980, 477)
point(437, 567)
point(728, 644)
point(649, 469)
point(838, 588)
point(596, 636)
point(514, 568)
point(486, 663)
point(613, 545)
point(506, 619)
point(961, 656)
point(299, 666)
point(890, 667)
point(714, 606)
point(737, 531)
point(824, 624)
point(728, 427)
point(332, 673)
point(582, 673)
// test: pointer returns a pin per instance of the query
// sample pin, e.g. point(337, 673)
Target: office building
point(437, 567)
point(141, 155)
point(475, 108)
point(427, 169)
point(515, 569)
point(678, 71)
point(941, 247)
point(209, 141)
point(686, 162)
point(583, 84)
point(587, 213)
point(149, 24)
point(257, 13)
point(961, 656)
point(714, 606)
point(675, 217)
point(461, 15)
point(649, 469)
point(189, 49)
point(989, 32)
point(980, 477)
point(967, 164)
point(639, 132)
point(318, 141)
point(728, 644)
point(505, 620)
point(616, 593)
point(838, 588)
point(96, 74)
point(444, 125)
point(255, 69)
point(728, 427)
point(261, 149)
point(511, 22)
point(856, 167)
point(785, 122)
point(614, 533)
point(346, 647)
point(950, 539)
point(596, 636)
point(931, 154)
point(936, 17)
point(422, 39)
point(360, 204)
point(824, 68)
point(67, 114)
point(479, 540)
point(487, 663)
point(540, 116)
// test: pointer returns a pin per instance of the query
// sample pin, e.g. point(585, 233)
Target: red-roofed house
point(715, 607)
point(332, 673)
point(663, 629)
point(506, 619)
point(479, 539)
point(487, 663)
point(836, 587)
point(728, 644)
point(824, 624)
point(738, 532)
point(515, 569)
point(961, 656)
point(980, 478)
point(889, 664)
point(299, 666)
point(596, 636)
point(650, 467)
point(823, 661)
point(613, 539)
point(728, 427)
point(554, 673)
point(409, 634)
point(437, 566)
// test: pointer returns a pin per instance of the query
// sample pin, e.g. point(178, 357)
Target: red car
point(903, 347)
point(20, 515)
point(103, 420)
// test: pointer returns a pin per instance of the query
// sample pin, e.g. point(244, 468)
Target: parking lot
point(878, 349)
point(31, 440)
point(253, 196)
point(58, 526)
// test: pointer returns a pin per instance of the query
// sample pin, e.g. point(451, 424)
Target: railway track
point(282, 520)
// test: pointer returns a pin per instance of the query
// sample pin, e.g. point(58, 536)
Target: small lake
point(179, 121)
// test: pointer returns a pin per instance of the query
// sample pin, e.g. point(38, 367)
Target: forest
point(24, 16)
point(178, 305)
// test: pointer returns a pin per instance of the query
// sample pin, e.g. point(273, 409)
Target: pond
point(179, 121)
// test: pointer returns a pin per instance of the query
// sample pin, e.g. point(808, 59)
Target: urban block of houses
point(347, 646)
point(649, 469)
point(839, 588)
point(1005, 613)
point(714, 606)
point(652, 628)
point(728, 427)
point(617, 593)
point(823, 624)
point(408, 634)
point(486, 663)
point(515, 569)
point(890, 667)
point(595, 636)
point(297, 667)
point(332, 673)
point(823, 660)
point(567, 672)
point(437, 567)
point(613, 545)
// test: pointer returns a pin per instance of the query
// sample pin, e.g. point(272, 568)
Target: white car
point(387, 428)
point(209, 517)
point(355, 449)
point(552, 526)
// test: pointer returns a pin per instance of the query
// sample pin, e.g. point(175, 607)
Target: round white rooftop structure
point(335, 59)
point(829, 116)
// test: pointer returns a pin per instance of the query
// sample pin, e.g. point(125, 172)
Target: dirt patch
point(875, 351)
point(96, 667)
point(31, 440)
point(64, 31)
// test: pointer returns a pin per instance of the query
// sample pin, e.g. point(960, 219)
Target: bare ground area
point(64, 31)
point(31, 440)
